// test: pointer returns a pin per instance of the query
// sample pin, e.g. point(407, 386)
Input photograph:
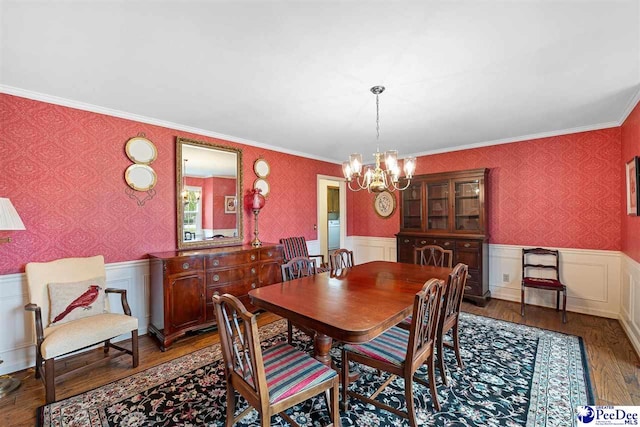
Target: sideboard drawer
point(183, 265)
point(218, 277)
point(228, 260)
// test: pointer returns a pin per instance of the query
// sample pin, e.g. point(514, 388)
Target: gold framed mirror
point(208, 187)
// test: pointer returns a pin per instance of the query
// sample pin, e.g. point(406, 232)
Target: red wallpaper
point(63, 169)
point(559, 191)
point(630, 148)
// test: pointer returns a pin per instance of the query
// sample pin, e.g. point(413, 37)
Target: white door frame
point(324, 181)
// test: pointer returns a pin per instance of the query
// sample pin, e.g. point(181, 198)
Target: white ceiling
point(296, 75)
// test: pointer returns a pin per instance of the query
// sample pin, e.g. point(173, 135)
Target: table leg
point(321, 347)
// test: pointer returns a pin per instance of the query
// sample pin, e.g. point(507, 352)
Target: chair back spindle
point(298, 267)
point(426, 315)
point(433, 255)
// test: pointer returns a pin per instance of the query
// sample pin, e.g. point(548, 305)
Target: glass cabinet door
point(467, 205)
point(438, 205)
point(412, 207)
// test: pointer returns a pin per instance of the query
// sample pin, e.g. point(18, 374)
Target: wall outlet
point(505, 277)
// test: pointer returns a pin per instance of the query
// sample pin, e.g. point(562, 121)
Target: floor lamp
point(9, 220)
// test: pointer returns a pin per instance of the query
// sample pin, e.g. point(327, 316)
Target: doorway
point(332, 214)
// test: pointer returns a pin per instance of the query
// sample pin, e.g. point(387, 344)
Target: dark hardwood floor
point(614, 365)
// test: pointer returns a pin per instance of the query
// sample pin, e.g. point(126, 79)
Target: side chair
point(401, 353)
point(433, 255)
point(294, 269)
point(538, 260)
point(297, 247)
point(271, 381)
point(71, 308)
point(340, 259)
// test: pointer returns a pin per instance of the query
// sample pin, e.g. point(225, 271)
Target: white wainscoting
point(630, 306)
point(16, 340)
point(601, 283)
point(592, 277)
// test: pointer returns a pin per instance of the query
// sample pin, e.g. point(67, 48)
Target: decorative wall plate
point(384, 204)
point(140, 150)
point(261, 168)
point(263, 185)
point(140, 177)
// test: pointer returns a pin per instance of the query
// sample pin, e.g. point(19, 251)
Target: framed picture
point(230, 204)
point(633, 196)
point(384, 204)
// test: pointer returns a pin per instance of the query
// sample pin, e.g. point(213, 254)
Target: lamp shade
point(254, 200)
point(9, 218)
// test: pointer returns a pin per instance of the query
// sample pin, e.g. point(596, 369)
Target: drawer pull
point(253, 286)
point(185, 266)
point(216, 293)
point(269, 254)
point(447, 243)
point(253, 271)
point(406, 240)
point(216, 278)
point(466, 245)
point(423, 242)
point(467, 288)
point(216, 262)
point(253, 257)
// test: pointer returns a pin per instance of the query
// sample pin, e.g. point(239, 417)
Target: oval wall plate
point(140, 177)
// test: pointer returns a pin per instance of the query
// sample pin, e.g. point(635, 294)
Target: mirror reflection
point(209, 184)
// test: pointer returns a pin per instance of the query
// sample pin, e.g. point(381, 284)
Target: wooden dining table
point(353, 305)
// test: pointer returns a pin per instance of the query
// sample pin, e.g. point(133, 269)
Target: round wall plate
point(263, 185)
point(141, 150)
point(140, 177)
point(384, 204)
point(261, 168)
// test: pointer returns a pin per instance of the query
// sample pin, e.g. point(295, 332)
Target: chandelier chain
point(377, 119)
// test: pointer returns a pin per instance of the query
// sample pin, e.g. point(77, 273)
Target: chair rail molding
point(16, 344)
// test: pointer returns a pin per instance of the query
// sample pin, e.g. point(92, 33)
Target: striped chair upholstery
point(401, 353)
point(294, 247)
point(390, 347)
point(290, 371)
point(271, 381)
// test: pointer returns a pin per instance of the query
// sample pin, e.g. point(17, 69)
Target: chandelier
point(188, 196)
point(375, 179)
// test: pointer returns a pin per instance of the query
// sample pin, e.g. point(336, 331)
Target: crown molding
point(630, 106)
point(50, 99)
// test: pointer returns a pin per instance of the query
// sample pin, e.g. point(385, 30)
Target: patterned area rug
point(514, 375)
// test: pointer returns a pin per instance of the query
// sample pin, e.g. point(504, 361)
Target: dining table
point(352, 305)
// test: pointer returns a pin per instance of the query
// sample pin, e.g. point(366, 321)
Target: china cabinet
point(449, 210)
point(184, 282)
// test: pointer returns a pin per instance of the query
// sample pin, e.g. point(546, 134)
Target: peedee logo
point(608, 415)
point(586, 414)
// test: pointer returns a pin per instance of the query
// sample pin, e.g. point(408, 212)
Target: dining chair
point(401, 353)
point(72, 313)
point(340, 259)
point(294, 269)
point(293, 247)
point(539, 260)
point(433, 255)
point(450, 314)
point(271, 381)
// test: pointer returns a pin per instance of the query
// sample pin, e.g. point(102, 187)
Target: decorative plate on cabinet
point(384, 204)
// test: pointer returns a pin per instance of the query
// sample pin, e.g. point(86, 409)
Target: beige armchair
point(85, 319)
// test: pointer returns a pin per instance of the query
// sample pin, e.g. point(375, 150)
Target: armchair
point(71, 313)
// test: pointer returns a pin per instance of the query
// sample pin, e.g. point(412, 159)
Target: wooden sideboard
point(449, 210)
point(184, 282)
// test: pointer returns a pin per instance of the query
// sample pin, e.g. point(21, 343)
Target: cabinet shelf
point(467, 197)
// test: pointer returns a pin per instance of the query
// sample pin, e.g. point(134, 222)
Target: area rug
point(513, 375)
